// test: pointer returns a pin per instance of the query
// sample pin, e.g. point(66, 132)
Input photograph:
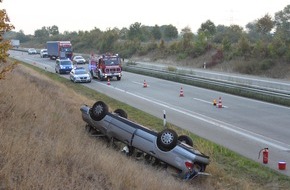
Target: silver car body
point(79, 74)
point(182, 156)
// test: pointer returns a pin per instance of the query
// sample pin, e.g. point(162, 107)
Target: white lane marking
point(248, 134)
point(205, 101)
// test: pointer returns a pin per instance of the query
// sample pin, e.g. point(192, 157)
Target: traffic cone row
point(181, 94)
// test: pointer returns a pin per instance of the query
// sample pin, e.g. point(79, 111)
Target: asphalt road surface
point(243, 125)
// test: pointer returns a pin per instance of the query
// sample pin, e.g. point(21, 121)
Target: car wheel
point(121, 113)
point(99, 111)
point(185, 139)
point(166, 139)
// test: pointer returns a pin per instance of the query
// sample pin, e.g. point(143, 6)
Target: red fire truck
point(105, 66)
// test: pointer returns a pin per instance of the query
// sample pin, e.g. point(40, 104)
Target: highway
point(242, 125)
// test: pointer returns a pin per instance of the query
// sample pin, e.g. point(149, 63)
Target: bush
point(266, 64)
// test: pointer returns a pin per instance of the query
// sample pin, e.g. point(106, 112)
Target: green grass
point(226, 164)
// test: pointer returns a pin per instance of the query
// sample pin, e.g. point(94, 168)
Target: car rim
point(167, 138)
point(99, 109)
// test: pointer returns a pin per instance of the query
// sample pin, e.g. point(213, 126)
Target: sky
point(85, 15)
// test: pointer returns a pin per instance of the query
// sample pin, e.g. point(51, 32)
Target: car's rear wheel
point(166, 139)
point(185, 139)
point(121, 113)
point(99, 111)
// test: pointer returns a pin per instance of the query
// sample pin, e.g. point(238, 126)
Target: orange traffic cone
point(108, 82)
point(144, 84)
point(219, 105)
point(181, 92)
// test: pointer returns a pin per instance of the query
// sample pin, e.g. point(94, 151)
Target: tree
point(265, 24)
point(170, 32)
point(156, 33)
point(282, 23)
point(41, 33)
point(244, 47)
point(5, 26)
point(208, 28)
point(21, 36)
point(53, 30)
point(135, 31)
point(108, 39)
point(252, 31)
point(187, 38)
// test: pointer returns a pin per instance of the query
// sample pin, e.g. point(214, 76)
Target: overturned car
point(165, 146)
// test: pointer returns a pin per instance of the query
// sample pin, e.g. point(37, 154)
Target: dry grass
point(43, 145)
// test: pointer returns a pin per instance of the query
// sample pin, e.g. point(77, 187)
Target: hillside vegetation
point(44, 144)
point(261, 48)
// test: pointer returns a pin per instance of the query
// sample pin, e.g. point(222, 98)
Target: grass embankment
point(44, 144)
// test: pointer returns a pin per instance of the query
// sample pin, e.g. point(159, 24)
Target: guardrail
point(270, 95)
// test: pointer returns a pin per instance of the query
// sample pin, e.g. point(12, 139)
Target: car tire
point(121, 113)
point(186, 139)
point(98, 111)
point(167, 140)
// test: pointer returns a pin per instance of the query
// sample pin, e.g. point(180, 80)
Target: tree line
point(263, 38)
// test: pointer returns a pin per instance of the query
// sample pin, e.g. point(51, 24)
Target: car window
point(80, 72)
point(65, 63)
point(111, 61)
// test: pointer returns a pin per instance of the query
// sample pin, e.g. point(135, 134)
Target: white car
point(80, 74)
point(31, 51)
point(78, 59)
point(43, 53)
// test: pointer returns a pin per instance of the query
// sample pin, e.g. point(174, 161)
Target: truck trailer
point(59, 49)
point(15, 43)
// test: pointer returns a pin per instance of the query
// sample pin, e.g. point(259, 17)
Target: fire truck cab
point(105, 66)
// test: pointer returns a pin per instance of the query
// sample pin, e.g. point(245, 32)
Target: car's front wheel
point(166, 139)
point(99, 111)
point(121, 113)
point(185, 139)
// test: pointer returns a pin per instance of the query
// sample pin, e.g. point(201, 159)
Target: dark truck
point(165, 146)
point(59, 49)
